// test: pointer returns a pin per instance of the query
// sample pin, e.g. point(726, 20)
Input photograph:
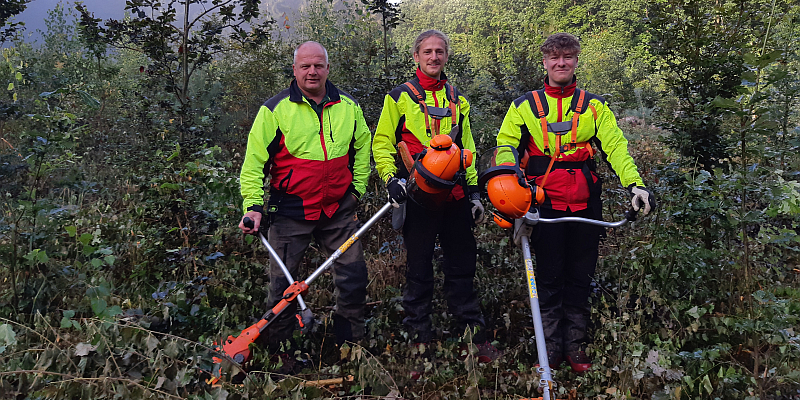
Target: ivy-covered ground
point(121, 262)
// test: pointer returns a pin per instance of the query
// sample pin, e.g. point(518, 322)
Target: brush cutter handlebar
point(306, 317)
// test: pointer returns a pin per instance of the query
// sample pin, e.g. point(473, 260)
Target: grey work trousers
point(290, 239)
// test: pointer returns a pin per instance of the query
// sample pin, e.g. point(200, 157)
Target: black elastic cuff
point(474, 192)
point(352, 189)
point(256, 207)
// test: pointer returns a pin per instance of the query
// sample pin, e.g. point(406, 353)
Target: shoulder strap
point(580, 102)
point(450, 93)
point(418, 93)
point(538, 103)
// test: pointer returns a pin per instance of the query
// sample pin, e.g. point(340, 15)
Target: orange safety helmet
point(439, 165)
point(508, 196)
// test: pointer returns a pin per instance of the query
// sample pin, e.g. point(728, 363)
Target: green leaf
point(66, 322)
point(110, 260)
point(112, 311)
point(18, 76)
point(89, 100)
point(97, 263)
point(43, 258)
point(98, 306)
point(69, 313)
point(72, 230)
point(171, 186)
point(86, 238)
point(11, 86)
point(721, 102)
point(175, 153)
point(707, 385)
point(7, 337)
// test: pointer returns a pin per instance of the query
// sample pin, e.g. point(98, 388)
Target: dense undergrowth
point(121, 263)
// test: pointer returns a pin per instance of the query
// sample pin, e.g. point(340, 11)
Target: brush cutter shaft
point(349, 242)
point(546, 380)
point(522, 230)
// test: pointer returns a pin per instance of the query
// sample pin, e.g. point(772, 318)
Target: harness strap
point(575, 116)
point(453, 104)
point(594, 111)
point(451, 98)
point(421, 100)
point(543, 119)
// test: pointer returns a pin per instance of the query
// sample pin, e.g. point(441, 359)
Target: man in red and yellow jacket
point(405, 119)
point(566, 253)
point(313, 142)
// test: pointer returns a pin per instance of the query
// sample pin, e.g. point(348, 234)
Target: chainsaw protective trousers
point(290, 239)
point(566, 259)
point(453, 225)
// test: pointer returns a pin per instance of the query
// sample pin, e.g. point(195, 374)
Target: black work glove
point(642, 197)
point(397, 191)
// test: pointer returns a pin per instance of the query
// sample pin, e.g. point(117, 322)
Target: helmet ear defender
point(507, 188)
point(538, 195)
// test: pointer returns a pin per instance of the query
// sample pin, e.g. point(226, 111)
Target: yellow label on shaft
point(346, 245)
point(531, 278)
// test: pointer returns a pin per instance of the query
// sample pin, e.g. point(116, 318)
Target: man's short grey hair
point(324, 50)
point(431, 33)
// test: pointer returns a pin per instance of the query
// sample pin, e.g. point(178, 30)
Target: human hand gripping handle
point(642, 198)
point(478, 214)
point(251, 223)
point(397, 191)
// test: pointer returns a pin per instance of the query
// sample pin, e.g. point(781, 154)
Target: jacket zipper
point(322, 133)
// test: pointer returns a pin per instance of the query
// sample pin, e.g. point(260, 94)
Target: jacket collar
point(296, 95)
point(560, 92)
point(428, 83)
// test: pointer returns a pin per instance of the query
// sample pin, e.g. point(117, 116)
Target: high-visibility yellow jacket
point(568, 185)
point(313, 161)
point(403, 120)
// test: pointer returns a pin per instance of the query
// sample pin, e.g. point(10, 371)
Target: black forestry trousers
point(566, 258)
point(453, 225)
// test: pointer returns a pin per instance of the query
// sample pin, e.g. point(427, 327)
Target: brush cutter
point(523, 228)
point(237, 349)
point(514, 198)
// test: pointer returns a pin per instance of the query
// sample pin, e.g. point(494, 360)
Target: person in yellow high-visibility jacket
point(566, 253)
point(403, 119)
point(313, 142)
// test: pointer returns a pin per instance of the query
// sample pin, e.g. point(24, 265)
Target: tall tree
point(390, 17)
point(699, 48)
point(178, 38)
point(8, 9)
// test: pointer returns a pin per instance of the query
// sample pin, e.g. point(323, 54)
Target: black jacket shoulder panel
point(396, 92)
point(348, 95)
point(273, 102)
point(519, 100)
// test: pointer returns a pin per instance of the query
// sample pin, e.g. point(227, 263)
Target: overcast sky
point(36, 12)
